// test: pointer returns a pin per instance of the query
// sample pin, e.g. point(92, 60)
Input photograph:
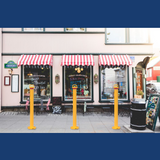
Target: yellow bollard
point(74, 86)
point(115, 107)
point(31, 107)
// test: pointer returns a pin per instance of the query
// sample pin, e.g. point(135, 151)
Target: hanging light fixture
point(29, 74)
point(78, 69)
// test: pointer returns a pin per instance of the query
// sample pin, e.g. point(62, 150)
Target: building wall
point(65, 43)
point(9, 98)
point(155, 72)
point(14, 43)
point(57, 69)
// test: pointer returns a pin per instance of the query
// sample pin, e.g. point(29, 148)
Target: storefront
point(94, 75)
point(78, 69)
point(114, 69)
point(37, 70)
point(54, 58)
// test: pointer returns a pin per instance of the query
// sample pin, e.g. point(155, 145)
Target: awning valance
point(77, 60)
point(114, 60)
point(35, 60)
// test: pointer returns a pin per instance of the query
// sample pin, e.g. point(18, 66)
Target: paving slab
point(52, 123)
point(138, 131)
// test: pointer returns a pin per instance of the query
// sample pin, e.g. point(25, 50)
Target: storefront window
point(40, 77)
point(80, 77)
point(109, 77)
point(139, 80)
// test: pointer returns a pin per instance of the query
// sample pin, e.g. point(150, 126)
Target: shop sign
point(132, 58)
point(10, 64)
point(152, 111)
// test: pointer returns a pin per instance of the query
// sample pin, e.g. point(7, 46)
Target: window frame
point(43, 30)
point(85, 30)
point(22, 86)
point(127, 39)
point(128, 89)
point(63, 88)
point(150, 70)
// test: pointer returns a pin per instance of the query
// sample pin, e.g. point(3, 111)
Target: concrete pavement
point(12, 122)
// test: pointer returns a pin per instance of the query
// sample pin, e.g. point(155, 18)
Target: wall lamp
point(96, 78)
point(57, 79)
point(10, 71)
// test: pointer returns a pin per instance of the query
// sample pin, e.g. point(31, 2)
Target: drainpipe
point(0, 68)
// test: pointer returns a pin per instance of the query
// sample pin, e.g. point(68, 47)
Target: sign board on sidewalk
point(152, 111)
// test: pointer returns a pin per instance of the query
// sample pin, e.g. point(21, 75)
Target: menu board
point(15, 83)
point(152, 111)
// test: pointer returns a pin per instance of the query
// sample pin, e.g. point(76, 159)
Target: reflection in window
point(82, 80)
point(75, 29)
point(109, 77)
point(33, 29)
point(138, 35)
point(115, 35)
point(40, 77)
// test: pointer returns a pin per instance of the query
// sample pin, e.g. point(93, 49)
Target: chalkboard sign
point(152, 111)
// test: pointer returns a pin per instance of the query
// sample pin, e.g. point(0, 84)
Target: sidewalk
point(12, 122)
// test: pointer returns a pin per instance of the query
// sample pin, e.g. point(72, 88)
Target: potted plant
point(139, 94)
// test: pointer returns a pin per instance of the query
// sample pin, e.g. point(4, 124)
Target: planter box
point(138, 96)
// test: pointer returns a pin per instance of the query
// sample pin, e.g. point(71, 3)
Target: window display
point(80, 77)
point(40, 77)
point(111, 76)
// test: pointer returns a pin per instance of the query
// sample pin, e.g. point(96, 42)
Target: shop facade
point(53, 59)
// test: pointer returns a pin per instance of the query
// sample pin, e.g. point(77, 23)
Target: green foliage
point(140, 93)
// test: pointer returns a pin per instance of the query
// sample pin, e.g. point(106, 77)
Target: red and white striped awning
point(114, 60)
point(77, 60)
point(35, 60)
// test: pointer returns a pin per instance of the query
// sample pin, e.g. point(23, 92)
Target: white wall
point(66, 43)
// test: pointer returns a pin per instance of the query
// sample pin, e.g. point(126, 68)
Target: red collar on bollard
point(31, 88)
point(115, 88)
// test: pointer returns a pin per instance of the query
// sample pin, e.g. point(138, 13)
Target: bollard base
point(31, 127)
point(114, 127)
point(74, 127)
